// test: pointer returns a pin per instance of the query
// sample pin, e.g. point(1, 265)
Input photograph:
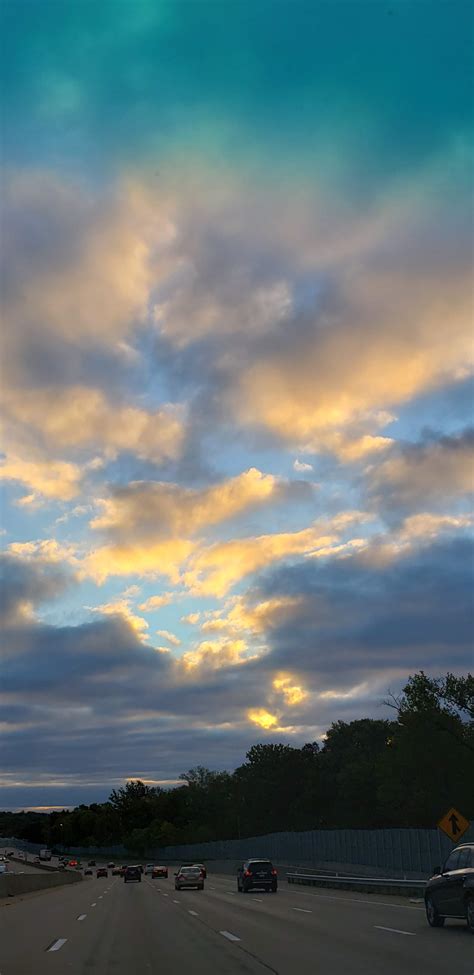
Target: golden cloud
point(215, 569)
point(262, 718)
point(121, 607)
point(55, 480)
point(82, 417)
point(154, 509)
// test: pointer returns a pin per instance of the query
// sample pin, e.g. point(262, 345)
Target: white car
point(149, 869)
point(3, 866)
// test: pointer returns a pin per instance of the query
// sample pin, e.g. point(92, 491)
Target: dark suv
point(132, 874)
point(450, 892)
point(257, 873)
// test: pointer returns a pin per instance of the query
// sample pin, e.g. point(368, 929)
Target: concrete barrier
point(12, 884)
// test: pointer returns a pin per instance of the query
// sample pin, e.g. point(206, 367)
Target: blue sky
point(237, 376)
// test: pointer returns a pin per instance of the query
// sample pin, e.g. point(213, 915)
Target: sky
point(236, 381)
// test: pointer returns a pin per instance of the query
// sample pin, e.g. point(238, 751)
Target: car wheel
point(434, 919)
point(274, 890)
point(470, 914)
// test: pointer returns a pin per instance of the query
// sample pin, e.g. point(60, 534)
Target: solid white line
point(58, 944)
point(301, 910)
point(229, 936)
point(394, 930)
point(82, 917)
point(194, 913)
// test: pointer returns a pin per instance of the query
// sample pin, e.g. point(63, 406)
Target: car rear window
point(191, 871)
point(257, 865)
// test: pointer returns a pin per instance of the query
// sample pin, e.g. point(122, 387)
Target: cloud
point(431, 471)
point(158, 509)
point(301, 466)
point(121, 608)
point(54, 480)
point(156, 602)
point(215, 569)
point(25, 585)
point(82, 418)
point(171, 637)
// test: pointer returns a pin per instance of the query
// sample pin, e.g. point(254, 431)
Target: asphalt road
point(106, 927)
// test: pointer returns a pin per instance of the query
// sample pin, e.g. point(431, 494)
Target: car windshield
point(190, 871)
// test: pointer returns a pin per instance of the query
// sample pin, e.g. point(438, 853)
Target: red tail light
point(274, 873)
point(247, 873)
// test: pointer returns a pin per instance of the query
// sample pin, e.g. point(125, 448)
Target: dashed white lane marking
point(194, 913)
point(229, 936)
point(211, 888)
point(258, 899)
point(56, 945)
point(302, 910)
point(165, 895)
point(82, 917)
point(94, 904)
point(355, 900)
point(176, 902)
point(100, 897)
point(394, 930)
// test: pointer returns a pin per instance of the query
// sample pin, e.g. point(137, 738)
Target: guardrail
point(387, 885)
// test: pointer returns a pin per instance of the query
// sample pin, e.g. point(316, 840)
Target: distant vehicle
point(159, 872)
point(189, 877)
point(92, 863)
point(4, 866)
point(141, 867)
point(132, 874)
point(45, 854)
point(202, 868)
point(450, 891)
point(73, 863)
point(257, 874)
point(148, 869)
point(88, 872)
point(111, 865)
point(102, 872)
point(117, 872)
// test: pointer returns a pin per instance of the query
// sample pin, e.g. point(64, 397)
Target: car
point(257, 874)
point(88, 872)
point(73, 863)
point(450, 891)
point(117, 872)
point(148, 869)
point(110, 866)
point(102, 872)
point(92, 863)
point(4, 867)
point(132, 874)
point(159, 872)
point(202, 868)
point(189, 877)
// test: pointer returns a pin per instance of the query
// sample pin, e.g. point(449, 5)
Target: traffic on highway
point(185, 917)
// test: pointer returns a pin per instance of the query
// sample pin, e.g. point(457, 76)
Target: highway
point(106, 927)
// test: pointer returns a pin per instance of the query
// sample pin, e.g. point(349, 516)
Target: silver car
point(189, 877)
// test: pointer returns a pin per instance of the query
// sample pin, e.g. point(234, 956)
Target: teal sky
point(237, 366)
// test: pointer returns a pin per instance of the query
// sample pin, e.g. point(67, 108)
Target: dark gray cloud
point(423, 475)
point(361, 618)
point(24, 585)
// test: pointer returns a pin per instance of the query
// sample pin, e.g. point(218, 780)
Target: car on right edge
point(257, 874)
point(450, 891)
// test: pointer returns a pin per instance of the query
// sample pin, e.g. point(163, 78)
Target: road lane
point(148, 927)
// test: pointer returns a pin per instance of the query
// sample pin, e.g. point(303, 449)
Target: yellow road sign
point(454, 824)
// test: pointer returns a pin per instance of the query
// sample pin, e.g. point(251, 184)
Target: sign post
point(454, 824)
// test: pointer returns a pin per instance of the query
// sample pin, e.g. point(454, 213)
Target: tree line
point(404, 771)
